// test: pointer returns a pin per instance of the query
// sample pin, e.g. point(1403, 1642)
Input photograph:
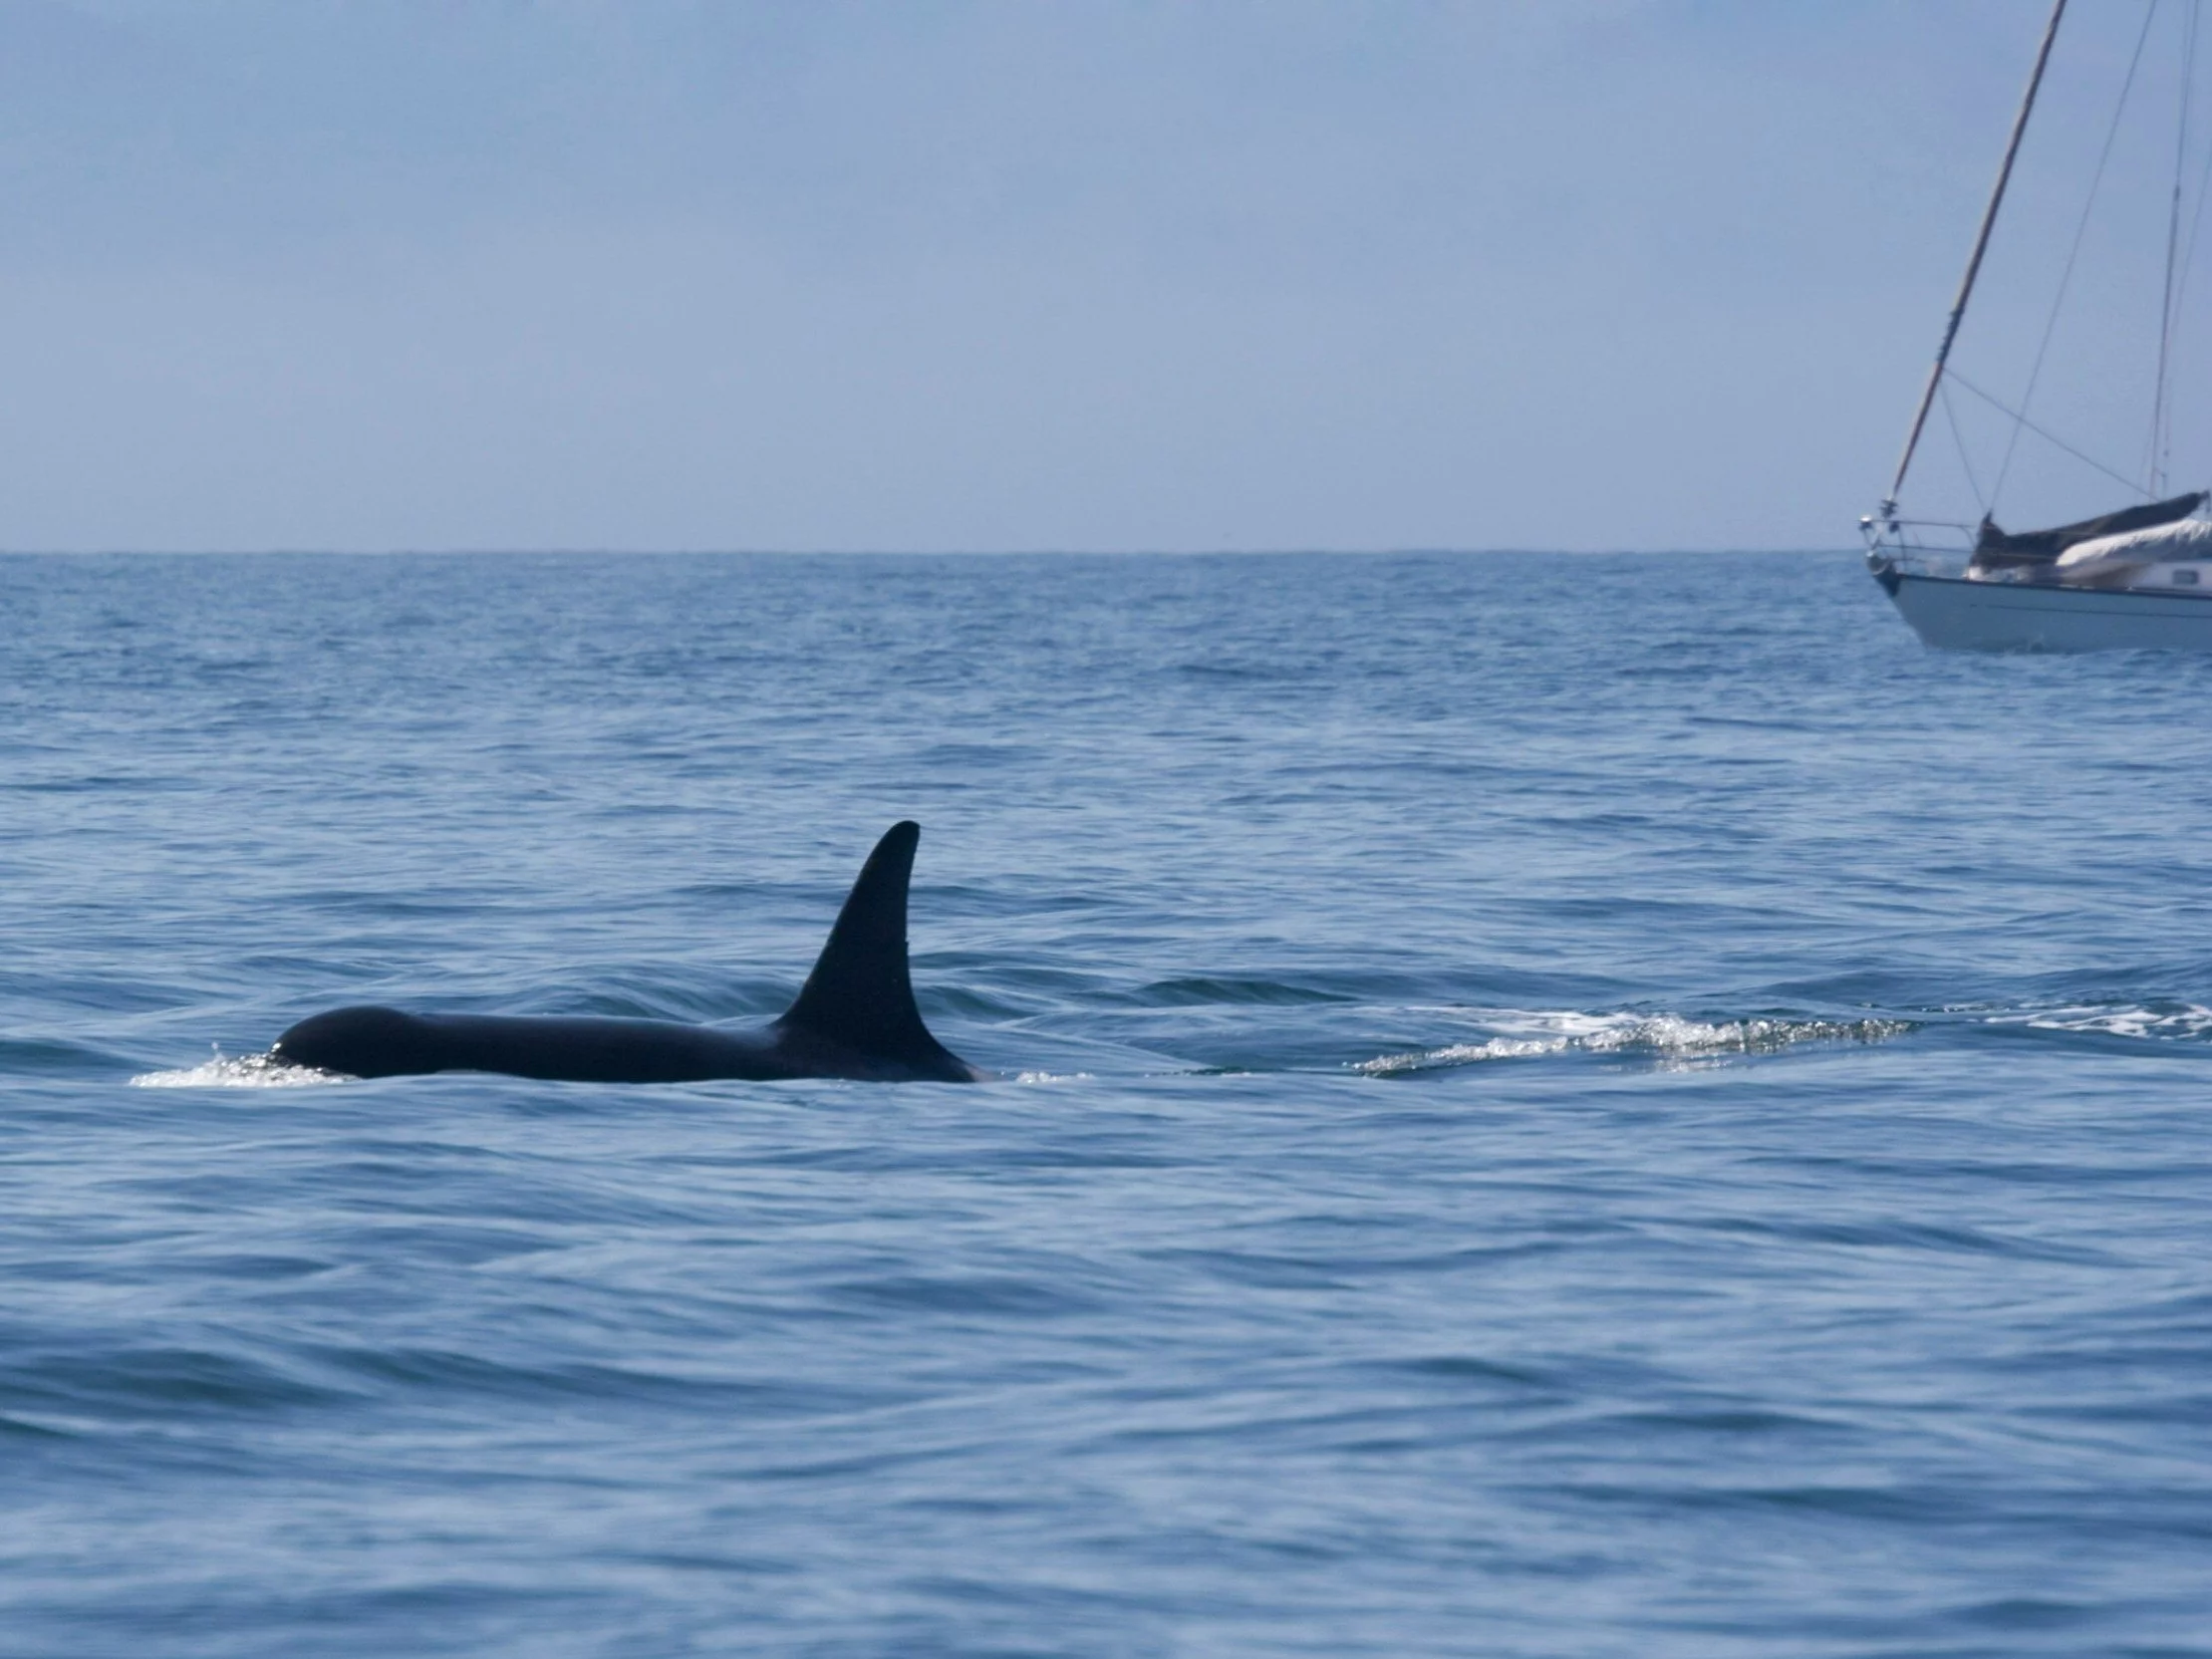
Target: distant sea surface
point(1555, 1106)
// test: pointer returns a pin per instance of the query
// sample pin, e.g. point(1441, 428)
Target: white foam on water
point(1664, 1037)
point(245, 1071)
point(2188, 1022)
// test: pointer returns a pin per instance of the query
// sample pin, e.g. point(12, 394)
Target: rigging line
point(2125, 482)
point(2074, 255)
point(1966, 462)
point(2162, 394)
point(2189, 247)
point(2181, 279)
point(1981, 246)
point(2188, 263)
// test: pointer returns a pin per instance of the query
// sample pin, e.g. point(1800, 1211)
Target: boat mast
point(1974, 264)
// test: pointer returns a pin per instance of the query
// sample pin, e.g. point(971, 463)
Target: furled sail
point(1996, 549)
point(2107, 560)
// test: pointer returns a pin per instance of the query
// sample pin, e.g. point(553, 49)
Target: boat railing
point(1917, 546)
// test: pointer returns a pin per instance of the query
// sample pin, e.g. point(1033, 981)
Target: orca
point(854, 1019)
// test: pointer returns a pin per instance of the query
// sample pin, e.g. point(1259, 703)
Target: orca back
point(855, 1018)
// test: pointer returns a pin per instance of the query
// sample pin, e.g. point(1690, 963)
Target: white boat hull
point(1957, 615)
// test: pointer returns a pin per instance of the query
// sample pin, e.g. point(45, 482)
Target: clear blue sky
point(1005, 274)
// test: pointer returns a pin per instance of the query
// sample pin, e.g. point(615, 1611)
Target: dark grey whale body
point(855, 1018)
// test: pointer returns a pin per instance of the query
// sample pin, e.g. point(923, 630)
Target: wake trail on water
point(2167, 1023)
point(1674, 1039)
point(1663, 1038)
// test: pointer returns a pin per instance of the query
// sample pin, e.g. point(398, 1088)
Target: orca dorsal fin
point(859, 995)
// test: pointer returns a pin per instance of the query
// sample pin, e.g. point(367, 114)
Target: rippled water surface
point(1595, 1106)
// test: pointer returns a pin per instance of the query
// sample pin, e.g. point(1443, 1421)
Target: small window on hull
point(2185, 578)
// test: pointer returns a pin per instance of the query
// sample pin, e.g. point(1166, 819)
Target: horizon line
point(895, 552)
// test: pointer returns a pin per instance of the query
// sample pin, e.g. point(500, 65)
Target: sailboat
point(2135, 576)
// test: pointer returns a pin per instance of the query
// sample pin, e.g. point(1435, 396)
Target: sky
point(1038, 275)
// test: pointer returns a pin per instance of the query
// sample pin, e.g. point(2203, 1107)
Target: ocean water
point(1554, 1106)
